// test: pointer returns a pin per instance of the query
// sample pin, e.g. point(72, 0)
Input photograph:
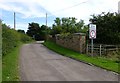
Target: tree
point(43, 32)
point(67, 25)
point(34, 30)
point(37, 32)
point(21, 31)
point(108, 28)
point(57, 21)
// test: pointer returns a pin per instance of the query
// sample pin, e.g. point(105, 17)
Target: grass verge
point(102, 62)
point(10, 68)
point(10, 64)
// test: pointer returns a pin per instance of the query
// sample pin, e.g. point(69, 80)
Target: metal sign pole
point(92, 35)
point(92, 46)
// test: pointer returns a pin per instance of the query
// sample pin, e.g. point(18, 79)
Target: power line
point(70, 7)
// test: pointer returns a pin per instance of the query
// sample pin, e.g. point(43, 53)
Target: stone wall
point(75, 42)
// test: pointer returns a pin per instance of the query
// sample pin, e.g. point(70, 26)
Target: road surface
point(37, 63)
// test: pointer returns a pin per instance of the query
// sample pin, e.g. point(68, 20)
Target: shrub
point(11, 38)
point(24, 38)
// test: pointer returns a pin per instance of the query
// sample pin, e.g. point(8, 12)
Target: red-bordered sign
point(92, 31)
point(93, 34)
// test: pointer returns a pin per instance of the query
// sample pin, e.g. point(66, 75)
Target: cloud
point(81, 9)
point(26, 8)
point(60, 8)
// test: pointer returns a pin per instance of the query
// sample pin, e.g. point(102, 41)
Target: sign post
point(92, 47)
point(92, 35)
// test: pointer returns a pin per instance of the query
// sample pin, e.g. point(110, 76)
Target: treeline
point(61, 26)
point(108, 28)
point(11, 38)
point(68, 25)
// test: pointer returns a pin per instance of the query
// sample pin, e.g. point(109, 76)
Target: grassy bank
point(10, 64)
point(97, 61)
point(10, 71)
point(11, 42)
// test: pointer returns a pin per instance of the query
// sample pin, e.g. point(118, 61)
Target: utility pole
point(46, 28)
point(119, 7)
point(14, 21)
point(46, 19)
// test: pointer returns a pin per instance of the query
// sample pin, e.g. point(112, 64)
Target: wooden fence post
point(116, 48)
point(100, 49)
point(87, 49)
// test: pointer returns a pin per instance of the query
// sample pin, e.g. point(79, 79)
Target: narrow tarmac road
point(37, 63)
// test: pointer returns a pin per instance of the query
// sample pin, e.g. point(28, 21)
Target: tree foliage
point(21, 31)
point(33, 29)
point(68, 25)
point(108, 28)
point(37, 32)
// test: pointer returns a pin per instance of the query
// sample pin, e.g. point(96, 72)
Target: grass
point(10, 68)
point(10, 64)
point(0, 69)
point(0, 54)
point(102, 62)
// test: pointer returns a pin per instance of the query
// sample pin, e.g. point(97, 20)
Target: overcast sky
point(28, 11)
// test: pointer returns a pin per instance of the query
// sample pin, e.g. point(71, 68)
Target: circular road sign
point(92, 34)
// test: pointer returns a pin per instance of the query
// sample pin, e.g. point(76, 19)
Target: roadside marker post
point(92, 35)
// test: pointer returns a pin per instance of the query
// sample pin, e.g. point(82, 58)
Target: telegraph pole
point(14, 21)
point(46, 28)
point(46, 19)
point(119, 7)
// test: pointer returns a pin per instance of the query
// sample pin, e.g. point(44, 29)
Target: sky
point(28, 11)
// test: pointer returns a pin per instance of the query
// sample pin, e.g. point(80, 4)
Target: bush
point(24, 38)
point(11, 38)
point(114, 55)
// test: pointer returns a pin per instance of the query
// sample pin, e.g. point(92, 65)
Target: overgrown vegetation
point(109, 64)
point(11, 42)
point(108, 28)
point(113, 55)
point(11, 39)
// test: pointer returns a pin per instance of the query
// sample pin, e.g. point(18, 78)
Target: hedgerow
point(11, 38)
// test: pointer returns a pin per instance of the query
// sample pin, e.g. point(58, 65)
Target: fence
point(102, 49)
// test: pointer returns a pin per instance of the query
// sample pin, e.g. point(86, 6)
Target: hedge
point(11, 38)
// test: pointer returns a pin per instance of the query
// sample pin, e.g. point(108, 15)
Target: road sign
point(92, 31)
point(92, 35)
